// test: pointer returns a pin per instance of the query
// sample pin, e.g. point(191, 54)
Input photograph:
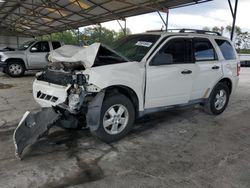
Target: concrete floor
point(177, 148)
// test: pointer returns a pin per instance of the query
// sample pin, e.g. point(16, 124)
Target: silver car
point(30, 56)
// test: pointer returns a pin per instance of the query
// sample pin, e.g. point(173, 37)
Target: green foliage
point(69, 37)
point(88, 36)
point(242, 39)
point(237, 29)
point(91, 35)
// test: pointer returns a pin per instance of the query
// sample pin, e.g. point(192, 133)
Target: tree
point(243, 40)
point(215, 29)
point(91, 35)
point(88, 36)
point(237, 29)
point(68, 37)
point(121, 33)
point(206, 28)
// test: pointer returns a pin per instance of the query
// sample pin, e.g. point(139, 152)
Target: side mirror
point(33, 49)
point(162, 59)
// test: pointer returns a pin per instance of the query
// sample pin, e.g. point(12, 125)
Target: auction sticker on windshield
point(144, 44)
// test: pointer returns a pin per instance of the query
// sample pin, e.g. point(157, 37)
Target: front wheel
point(218, 99)
point(117, 118)
point(15, 69)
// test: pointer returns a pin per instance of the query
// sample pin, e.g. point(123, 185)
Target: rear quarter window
point(226, 49)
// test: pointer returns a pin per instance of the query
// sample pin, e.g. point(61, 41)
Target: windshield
point(135, 47)
point(25, 45)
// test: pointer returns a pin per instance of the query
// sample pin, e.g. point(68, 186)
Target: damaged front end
point(64, 92)
point(70, 114)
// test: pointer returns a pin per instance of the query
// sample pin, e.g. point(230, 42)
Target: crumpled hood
point(70, 53)
point(85, 55)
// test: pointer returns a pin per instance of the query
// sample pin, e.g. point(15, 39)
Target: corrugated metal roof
point(38, 17)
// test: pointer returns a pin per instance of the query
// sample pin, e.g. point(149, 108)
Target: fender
point(94, 111)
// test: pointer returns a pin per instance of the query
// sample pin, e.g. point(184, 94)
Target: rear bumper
point(235, 84)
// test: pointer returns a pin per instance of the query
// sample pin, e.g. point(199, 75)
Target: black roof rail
point(195, 31)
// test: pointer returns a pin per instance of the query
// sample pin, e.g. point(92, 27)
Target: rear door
point(230, 60)
point(170, 73)
point(208, 67)
point(37, 55)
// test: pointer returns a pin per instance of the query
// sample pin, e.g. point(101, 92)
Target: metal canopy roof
point(39, 17)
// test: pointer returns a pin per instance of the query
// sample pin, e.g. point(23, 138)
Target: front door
point(170, 74)
point(37, 55)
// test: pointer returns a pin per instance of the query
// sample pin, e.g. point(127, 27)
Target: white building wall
point(11, 41)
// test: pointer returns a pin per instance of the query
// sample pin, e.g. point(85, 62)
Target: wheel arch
point(228, 82)
point(127, 91)
point(20, 60)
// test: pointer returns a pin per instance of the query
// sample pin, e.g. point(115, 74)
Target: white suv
point(107, 88)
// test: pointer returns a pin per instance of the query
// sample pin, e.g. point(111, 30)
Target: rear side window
point(204, 50)
point(175, 51)
point(226, 49)
point(56, 45)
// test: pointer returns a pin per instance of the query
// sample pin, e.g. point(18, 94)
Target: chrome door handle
point(186, 72)
point(215, 67)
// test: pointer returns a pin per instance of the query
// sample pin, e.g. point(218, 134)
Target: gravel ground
point(177, 148)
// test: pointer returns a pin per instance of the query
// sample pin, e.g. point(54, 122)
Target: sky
point(214, 13)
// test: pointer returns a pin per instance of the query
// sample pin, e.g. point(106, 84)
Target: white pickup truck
point(106, 89)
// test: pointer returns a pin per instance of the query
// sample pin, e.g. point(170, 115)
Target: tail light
point(238, 69)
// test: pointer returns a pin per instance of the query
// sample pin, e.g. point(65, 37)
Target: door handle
point(186, 72)
point(215, 67)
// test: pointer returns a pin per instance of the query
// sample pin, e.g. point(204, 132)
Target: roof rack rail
point(195, 31)
point(157, 30)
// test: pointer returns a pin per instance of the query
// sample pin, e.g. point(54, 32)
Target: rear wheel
point(117, 118)
point(218, 99)
point(15, 69)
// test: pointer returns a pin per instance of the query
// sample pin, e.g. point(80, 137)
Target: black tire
point(211, 107)
point(15, 68)
point(111, 102)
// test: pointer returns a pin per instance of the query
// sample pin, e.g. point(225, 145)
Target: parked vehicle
point(106, 89)
point(244, 60)
point(30, 56)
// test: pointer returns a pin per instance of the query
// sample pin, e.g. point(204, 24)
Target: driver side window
point(40, 47)
point(175, 51)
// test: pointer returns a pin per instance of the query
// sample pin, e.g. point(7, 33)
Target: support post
point(125, 26)
point(165, 22)
point(62, 38)
point(124, 29)
point(78, 36)
point(100, 32)
point(234, 15)
point(17, 41)
point(167, 16)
